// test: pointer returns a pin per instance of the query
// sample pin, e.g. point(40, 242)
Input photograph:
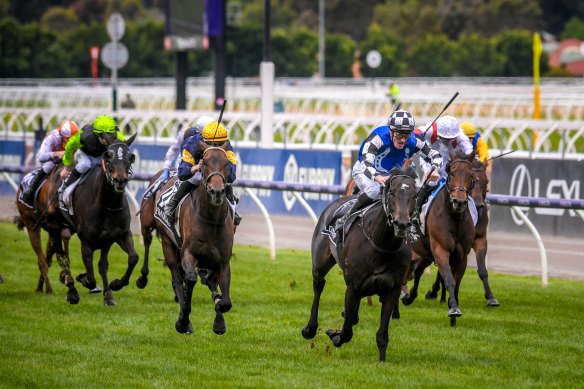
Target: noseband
point(461, 188)
point(121, 149)
point(385, 204)
point(214, 173)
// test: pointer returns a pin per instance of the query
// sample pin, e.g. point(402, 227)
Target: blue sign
point(12, 154)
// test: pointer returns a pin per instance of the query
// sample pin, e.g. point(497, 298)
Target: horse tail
point(19, 222)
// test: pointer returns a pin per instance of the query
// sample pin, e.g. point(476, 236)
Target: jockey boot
point(233, 200)
point(421, 198)
point(183, 189)
point(362, 201)
point(71, 178)
point(28, 193)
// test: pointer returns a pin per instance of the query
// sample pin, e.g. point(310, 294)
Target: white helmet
point(204, 120)
point(447, 127)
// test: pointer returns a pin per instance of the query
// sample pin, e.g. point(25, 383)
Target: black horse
point(450, 232)
point(374, 256)
point(206, 229)
point(479, 243)
point(102, 217)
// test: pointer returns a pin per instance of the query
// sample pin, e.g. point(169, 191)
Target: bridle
point(120, 153)
point(214, 173)
point(388, 192)
point(451, 189)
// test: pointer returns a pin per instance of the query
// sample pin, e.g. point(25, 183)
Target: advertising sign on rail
point(298, 166)
point(553, 179)
point(12, 154)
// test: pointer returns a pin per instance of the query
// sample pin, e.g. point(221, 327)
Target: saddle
point(158, 184)
point(337, 240)
point(26, 182)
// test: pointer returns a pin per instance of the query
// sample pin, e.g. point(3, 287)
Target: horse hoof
point(335, 336)
point(80, 277)
point(182, 328)
point(222, 307)
point(141, 282)
point(97, 289)
point(430, 295)
point(116, 285)
point(492, 302)
point(219, 326)
point(73, 298)
point(109, 302)
point(395, 314)
point(454, 312)
point(408, 299)
point(308, 333)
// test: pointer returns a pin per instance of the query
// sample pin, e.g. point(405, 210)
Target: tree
point(245, 51)
point(339, 55)
point(59, 20)
point(476, 56)
point(294, 54)
point(574, 29)
point(432, 57)
point(516, 46)
point(393, 53)
point(497, 16)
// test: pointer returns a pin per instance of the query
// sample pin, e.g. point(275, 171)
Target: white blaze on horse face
point(404, 186)
point(120, 153)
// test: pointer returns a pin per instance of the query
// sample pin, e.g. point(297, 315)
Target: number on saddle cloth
point(26, 183)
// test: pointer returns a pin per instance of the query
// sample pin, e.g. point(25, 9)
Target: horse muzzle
point(459, 205)
point(401, 228)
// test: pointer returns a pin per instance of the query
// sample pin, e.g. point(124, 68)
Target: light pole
point(321, 39)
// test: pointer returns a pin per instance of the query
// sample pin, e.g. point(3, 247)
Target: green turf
point(534, 339)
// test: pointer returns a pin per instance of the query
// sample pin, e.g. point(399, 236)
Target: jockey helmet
point(104, 123)
point(68, 128)
point(469, 129)
point(401, 121)
point(447, 127)
point(214, 132)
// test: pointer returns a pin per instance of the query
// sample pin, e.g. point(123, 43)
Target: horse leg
point(64, 261)
point(87, 279)
point(127, 244)
point(356, 318)
point(322, 264)
point(443, 259)
point(35, 241)
point(183, 324)
point(48, 259)
point(458, 273)
point(351, 306)
point(224, 303)
point(433, 293)
point(212, 283)
point(422, 263)
point(103, 265)
point(480, 250)
point(389, 302)
point(142, 280)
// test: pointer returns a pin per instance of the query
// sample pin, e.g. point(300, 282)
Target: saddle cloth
point(25, 183)
point(67, 203)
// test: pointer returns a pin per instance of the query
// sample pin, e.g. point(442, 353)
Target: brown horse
point(479, 243)
point(207, 231)
point(46, 215)
point(450, 232)
point(105, 218)
point(374, 257)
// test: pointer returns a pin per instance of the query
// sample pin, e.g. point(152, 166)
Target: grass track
point(534, 339)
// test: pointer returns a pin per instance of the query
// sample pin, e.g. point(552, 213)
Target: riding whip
point(441, 112)
point(220, 117)
point(500, 155)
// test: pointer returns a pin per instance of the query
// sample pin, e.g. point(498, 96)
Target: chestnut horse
point(374, 256)
point(207, 232)
point(479, 243)
point(46, 215)
point(102, 217)
point(450, 232)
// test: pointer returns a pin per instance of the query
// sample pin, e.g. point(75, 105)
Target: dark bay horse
point(479, 243)
point(207, 232)
point(374, 257)
point(46, 215)
point(450, 232)
point(102, 217)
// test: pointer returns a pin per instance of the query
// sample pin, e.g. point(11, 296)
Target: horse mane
point(404, 170)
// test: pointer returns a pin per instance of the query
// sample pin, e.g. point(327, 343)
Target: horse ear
point(407, 163)
point(130, 140)
point(452, 156)
point(471, 157)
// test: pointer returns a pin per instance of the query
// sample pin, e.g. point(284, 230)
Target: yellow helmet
point(214, 132)
point(469, 129)
point(104, 123)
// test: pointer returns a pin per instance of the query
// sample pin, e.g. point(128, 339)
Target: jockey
point(189, 169)
point(385, 148)
point(50, 153)
point(478, 143)
point(446, 137)
point(88, 145)
point(181, 136)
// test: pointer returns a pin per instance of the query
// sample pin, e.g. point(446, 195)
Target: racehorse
point(479, 243)
point(105, 219)
point(46, 215)
point(449, 231)
point(374, 256)
point(206, 229)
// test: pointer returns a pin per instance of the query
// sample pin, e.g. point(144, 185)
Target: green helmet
point(104, 123)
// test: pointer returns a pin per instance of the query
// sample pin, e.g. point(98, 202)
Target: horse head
point(117, 163)
point(214, 172)
point(481, 184)
point(460, 181)
point(399, 198)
